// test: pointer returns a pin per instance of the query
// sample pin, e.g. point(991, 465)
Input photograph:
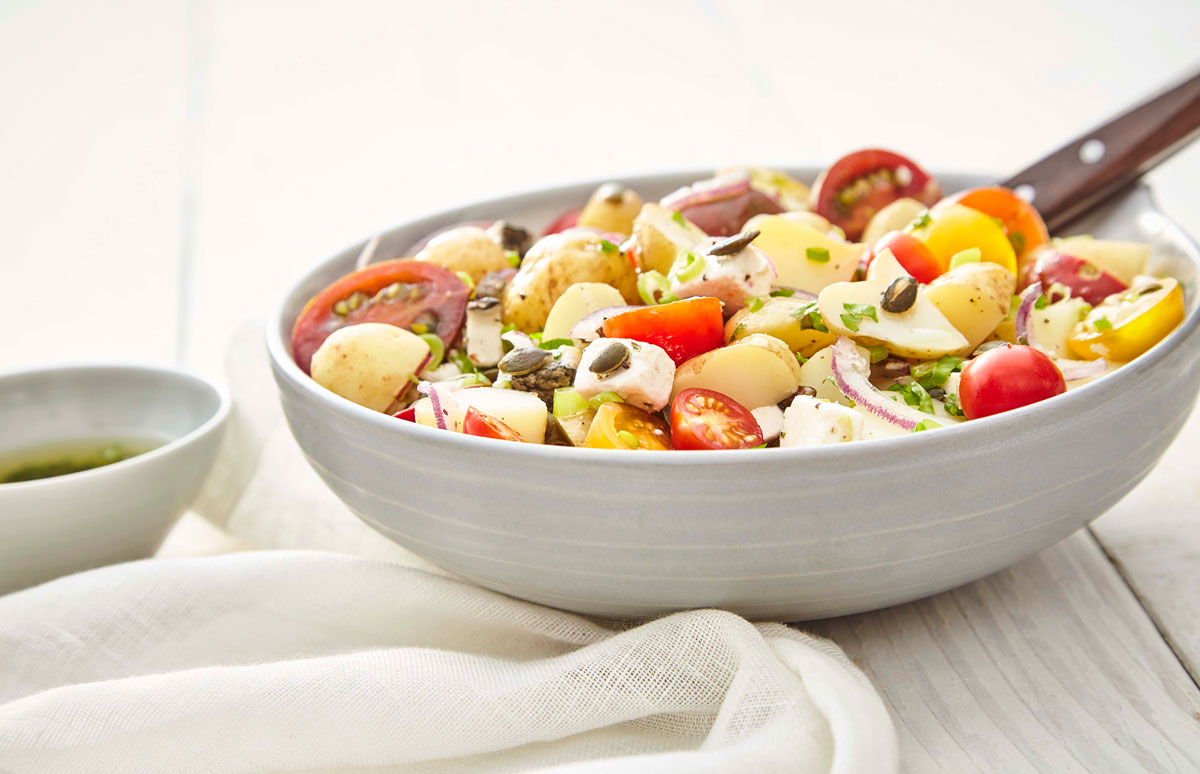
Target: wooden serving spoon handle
point(1091, 168)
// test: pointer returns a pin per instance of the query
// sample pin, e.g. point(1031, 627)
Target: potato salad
point(742, 311)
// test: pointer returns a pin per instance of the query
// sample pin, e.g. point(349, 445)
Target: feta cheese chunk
point(770, 421)
point(643, 375)
point(484, 346)
point(732, 278)
point(813, 422)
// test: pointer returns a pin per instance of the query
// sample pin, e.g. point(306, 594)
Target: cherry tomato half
point(862, 183)
point(912, 254)
point(1085, 279)
point(705, 419)
point(1007, 377)
point(1022, 224)
point(726, 216)
point(621, 426)
point(418, 295)
point(478, 423)
point(684, 328)
point(1127, 324)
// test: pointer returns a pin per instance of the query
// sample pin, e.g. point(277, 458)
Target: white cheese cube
point(770, 421)
point(731, 278)
point(644, 380)
point(813, 422)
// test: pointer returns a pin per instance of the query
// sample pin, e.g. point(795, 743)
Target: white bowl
point(773, 533)
point(54, 526)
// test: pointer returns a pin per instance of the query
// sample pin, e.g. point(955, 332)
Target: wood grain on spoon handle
point(1096, 165)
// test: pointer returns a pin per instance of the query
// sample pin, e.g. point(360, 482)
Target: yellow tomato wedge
point(621, 426)
point(1127, 324)
point(948, 229)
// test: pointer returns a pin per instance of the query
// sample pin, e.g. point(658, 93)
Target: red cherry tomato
point(862, 183)
point(408, 415)
point(913, 255)
point(684, 328)
point(1008, 377)
point(1085, 279)
point(404, 293)
point(704, 419)
point(478, 423)
point(569, 219)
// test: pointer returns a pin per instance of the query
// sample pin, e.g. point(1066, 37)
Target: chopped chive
point(608, 246)
point(514, 258)
point(556, 343)
point(878, 353)
point(1101, 324)
point(754, 303)
point(628, 438)
point(817, 254)
point(677, 216)
point(783, 293)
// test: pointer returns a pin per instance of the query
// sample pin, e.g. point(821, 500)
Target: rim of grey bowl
point(218, 417)
point(281, 357)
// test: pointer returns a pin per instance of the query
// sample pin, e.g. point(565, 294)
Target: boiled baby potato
point(524, 412)
point(758, 370)
point(920, 331)
point(807, 217)
point(893, 217)
point(576, 303)
point(782, 318)
point(611, 208)
point(974, 297)
point(1123, 260)
point(467, 249)
point(556, 263)
point(369, 363)
point(662, 236)
point(805, 258)
point(817, 373)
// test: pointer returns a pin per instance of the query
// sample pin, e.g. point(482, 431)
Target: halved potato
point(804, 257)
point(662, 236)
point(758, 370)
point(369, 363)
point(524, 412)
point(817, 373)
point(974, 297)
point(1054, 324)
point(576, 303)
point(922, 332)
point(781, 318)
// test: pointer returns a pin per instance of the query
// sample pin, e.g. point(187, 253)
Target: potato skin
point(974, 297)
point(611, 208)
point(556, 263)
point(368, 363)
point(468, 249)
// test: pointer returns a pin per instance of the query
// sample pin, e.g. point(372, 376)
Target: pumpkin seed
point(733, 244)
point(613, 356)
point(900, 295)
point(524, 361)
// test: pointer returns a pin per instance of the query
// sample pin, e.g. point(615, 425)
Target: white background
point(167, 168)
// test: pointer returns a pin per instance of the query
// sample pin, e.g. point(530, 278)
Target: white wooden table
point(167, 167)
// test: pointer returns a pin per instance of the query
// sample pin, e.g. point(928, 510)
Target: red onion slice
point(706, 191)
point(518, 339)
point(589, 328)
point(441, 400)
point(1074, 370)
point(1024, 330)
point(851, 372)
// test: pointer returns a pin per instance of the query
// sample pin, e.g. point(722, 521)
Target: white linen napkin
point(306, 661)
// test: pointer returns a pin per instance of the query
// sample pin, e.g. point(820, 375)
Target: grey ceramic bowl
point(54, 526)
point(775, 533)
